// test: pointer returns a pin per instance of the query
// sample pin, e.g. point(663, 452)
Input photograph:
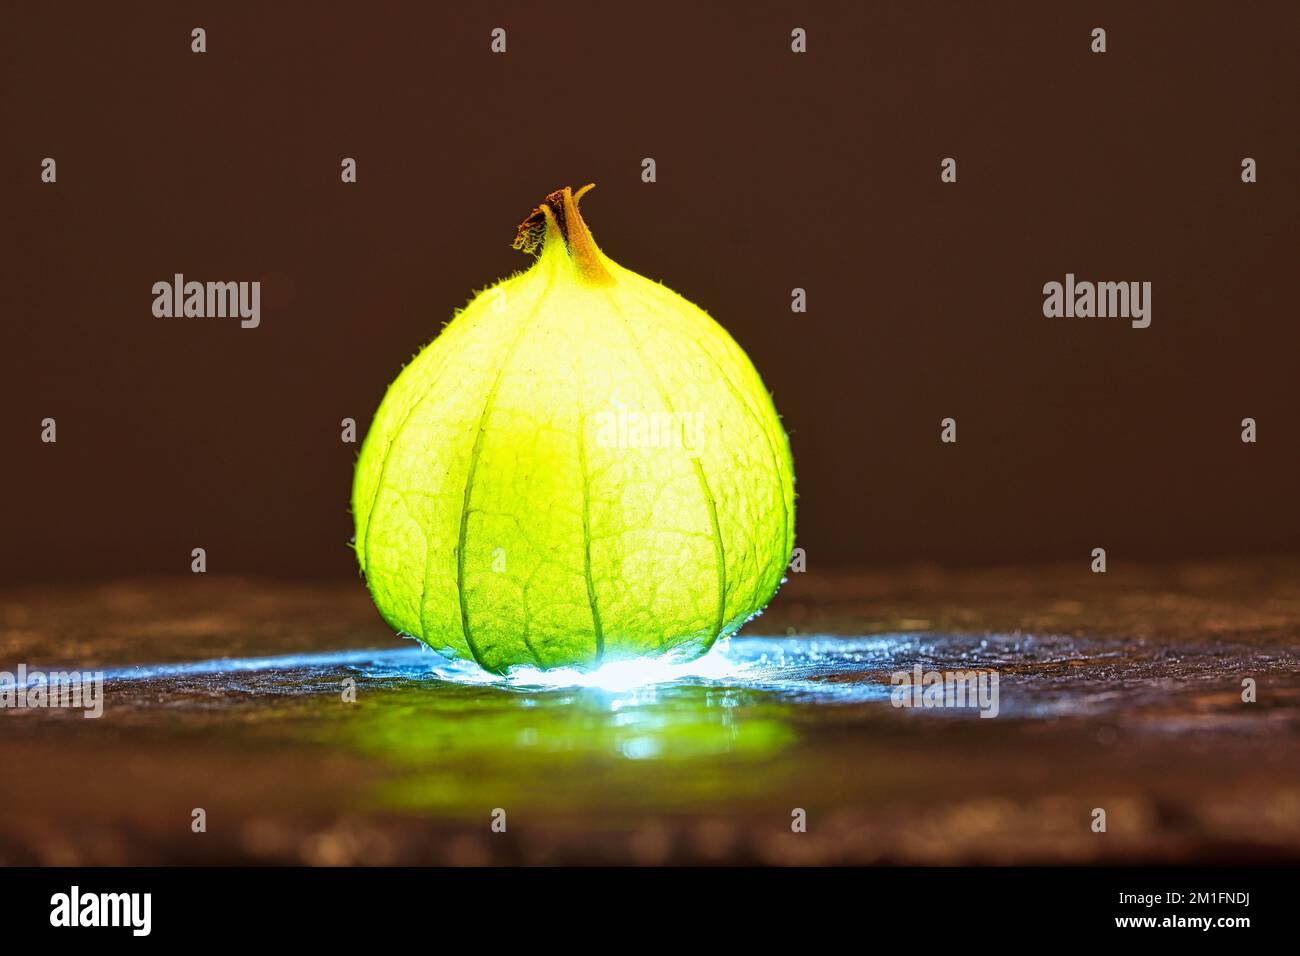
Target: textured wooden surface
point(1120, 692)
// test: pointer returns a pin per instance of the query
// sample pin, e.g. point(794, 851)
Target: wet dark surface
point(1120, 691)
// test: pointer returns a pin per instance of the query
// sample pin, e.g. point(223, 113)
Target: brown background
point(775, 171)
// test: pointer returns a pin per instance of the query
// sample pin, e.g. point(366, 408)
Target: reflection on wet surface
point(302, 748)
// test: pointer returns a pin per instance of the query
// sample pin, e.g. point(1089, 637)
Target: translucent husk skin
point(583, 466)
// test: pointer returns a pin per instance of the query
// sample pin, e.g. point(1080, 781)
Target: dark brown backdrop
point(775, 171)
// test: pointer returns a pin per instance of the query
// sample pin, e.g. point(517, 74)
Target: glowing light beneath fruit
point(630, 674)
point(811, 668)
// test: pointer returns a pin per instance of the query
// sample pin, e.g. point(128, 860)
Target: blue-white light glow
point(793, 665)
